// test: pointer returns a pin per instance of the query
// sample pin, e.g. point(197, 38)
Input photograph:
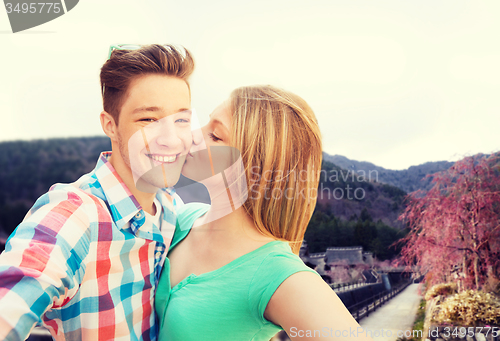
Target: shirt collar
point(123, 205)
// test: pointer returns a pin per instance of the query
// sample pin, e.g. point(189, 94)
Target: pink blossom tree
point(455, 226)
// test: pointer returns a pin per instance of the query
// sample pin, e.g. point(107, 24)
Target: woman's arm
point(308, 309)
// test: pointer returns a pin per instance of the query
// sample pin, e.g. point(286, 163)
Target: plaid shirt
point(83, 264)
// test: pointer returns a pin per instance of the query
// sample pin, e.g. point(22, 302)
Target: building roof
point(352, 255)
point(317, 255)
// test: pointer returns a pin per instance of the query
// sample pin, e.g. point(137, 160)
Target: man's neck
point(144, 199)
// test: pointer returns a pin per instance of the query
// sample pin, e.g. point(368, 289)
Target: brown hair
point(280, 143)
point(125, 65)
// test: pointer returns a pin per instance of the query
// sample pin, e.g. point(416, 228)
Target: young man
point(86, 259)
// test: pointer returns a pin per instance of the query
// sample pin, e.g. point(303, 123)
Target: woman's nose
point(198, 136)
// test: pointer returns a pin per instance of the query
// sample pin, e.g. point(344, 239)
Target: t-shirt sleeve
point(273, 271)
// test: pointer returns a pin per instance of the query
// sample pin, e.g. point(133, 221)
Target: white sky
point(393, 82)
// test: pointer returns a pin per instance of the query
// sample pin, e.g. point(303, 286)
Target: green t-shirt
point(227, 303)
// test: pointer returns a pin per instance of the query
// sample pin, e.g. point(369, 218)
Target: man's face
point(154, 130)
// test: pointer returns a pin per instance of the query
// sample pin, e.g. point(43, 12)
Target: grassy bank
point(418, 325)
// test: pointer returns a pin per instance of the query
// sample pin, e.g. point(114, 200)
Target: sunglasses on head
point(130, 47)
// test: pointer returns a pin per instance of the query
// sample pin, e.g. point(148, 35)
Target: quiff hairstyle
point(125, 65)
point(280, 142)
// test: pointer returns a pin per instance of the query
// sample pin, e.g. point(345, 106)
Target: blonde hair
point(280, 143)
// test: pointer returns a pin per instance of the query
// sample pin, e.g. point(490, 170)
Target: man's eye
point(149, 120)
point(213, 137)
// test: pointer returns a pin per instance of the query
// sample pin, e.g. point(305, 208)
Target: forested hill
point(29, 168)
point(346, 194)
point(409, 180)
point(346, 201)
point(354, 210)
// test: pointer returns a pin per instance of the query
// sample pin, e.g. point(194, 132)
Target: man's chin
point(186, 171)
point(153, 187)
point(158, 177)
point(145, 187)
point(196, 169)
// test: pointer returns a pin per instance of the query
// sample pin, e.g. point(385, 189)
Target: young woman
point(232, 271)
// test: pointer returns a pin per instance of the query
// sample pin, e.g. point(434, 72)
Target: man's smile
point(163, 158)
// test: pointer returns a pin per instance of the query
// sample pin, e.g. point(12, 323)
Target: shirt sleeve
point(273, 271)
point(42, 265)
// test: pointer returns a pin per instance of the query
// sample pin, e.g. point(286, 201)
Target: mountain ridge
point(352, 209)
point(411, 179)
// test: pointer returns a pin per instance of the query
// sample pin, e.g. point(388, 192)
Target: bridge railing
point(340, 287)
point(364, 308)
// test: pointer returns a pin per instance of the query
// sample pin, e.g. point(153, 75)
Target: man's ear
point(108, 125)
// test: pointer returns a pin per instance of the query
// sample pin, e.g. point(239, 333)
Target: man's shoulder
point(74, 192)
point(84, 191)
point(65, 210)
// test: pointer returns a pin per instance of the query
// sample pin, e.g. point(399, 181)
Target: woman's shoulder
point(278, 264)
point(186, 216)
point(279, 257)
point(188, 213)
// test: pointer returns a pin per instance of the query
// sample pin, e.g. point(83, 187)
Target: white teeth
point(160, 158)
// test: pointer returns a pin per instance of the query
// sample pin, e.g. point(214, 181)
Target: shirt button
point(138, 215)
point(158, 254)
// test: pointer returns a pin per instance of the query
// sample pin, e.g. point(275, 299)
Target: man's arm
point(40, 267)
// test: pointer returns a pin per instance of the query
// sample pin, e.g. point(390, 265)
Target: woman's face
point(217, 131)
point(214, 155)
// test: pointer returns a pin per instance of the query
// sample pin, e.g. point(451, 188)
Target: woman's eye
point(182, 120)
point(213, 137)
